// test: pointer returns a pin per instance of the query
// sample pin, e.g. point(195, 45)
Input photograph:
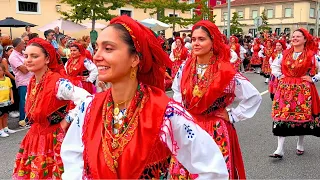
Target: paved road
point(256, 140)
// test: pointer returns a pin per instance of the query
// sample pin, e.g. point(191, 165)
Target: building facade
point(41, 12)
point(283, 15)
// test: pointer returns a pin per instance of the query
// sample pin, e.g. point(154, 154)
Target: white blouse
point(249, 96)
point(197, 150)
point(91, 67)
point(276, 66)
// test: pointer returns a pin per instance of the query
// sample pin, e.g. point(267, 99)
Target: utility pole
point(317, 17)
point(228, 30)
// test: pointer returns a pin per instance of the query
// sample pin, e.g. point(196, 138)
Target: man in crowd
point(50, 37)
point(57, 32)
point(22, 75)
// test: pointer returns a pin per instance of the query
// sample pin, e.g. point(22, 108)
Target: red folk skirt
point(225, 136)
point(39, 154)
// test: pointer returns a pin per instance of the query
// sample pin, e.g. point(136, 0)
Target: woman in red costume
point(267, 53)
point(256, 59)
point(207, 84)
point(131, 130)
point(39, 153)
point(273, 84)
point(80, 69)
point(178, 55)
point(235, 46)
point(296, 105)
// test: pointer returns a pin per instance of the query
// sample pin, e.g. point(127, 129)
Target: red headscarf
point(153, 59)
point(181, 40)
point(51, 51)
point(236, 39)
point(309, 45)
point(257, 40)
point(283, 44)
point(268, 40)
point(218, 46)
point(78, 68)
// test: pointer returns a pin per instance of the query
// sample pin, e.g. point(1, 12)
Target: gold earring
point(133, 73)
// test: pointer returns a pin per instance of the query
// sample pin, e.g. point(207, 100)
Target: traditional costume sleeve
point(234, 56)
point(250, 100)
point(171, 56)
point(270, 60)
point(72, 146)
point(276, 66)
point(260, 53)
point(176, 84)
point(191, 145)
point(92, 68)
point(316, 78)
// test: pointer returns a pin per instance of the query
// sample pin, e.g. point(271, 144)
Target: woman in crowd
point(81, 70)
point(178, 55)
point(39, 153)
point(256, 59)
point(14, 108)
point(273, 84)
point(267, 52)
point(296, 105)
point(235, 46)
point(87, 40)
point(62, 48)
point(206, 85)
point(102, 141)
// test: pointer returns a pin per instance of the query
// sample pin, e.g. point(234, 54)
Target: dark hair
point(2, 67)
point(33, 35)
point(47, 32)
point(75, 46)
point(26, 27)
point(42, 49)
point(16, 42)
point(177, 34)
point(205, 29)
point(125, 36)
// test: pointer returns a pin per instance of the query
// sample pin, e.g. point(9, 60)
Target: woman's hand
point(12, 101)
point(307, 78)
point(64, 125)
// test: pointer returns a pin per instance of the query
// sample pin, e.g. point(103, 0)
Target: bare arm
point(11, 96)
point(60, 51)
point(23, 69)
point(6, 65)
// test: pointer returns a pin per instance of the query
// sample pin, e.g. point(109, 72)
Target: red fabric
point(181, 40)
point(88, 54)
point(218, 46)
point(180, 55)
point(292, 69)
point(153, 60)
point(137, 153)
point(235, 46)
point(53, 55)
point(283, 43)
point(75, 67)
point(223, 74)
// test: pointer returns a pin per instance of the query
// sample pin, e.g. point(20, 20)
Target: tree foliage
point(94, 9)
point(235, 27)
point(265, 24)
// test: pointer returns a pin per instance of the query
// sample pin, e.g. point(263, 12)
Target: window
point(254, 14)
point(311, 31)
point(125, 12)
point(240, 13)
point(312, 13)
point(28, 6)
point(225, 16)
point(218, 3)
point(278, 31)
point(270, 13)
point(287, 30)
point(253, 32)
point(171, 15)
point(287, 12)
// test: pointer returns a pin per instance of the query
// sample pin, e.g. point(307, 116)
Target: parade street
point(255, 136)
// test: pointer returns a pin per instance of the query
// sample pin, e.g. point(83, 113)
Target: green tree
point(235, 27)
point(265, 24)
point(206, 12)
point(94, 9)
point(159, 6)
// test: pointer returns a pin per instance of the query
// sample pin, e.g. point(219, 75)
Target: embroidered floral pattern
point(189, 131)
point(292, 102)
point(44, 164)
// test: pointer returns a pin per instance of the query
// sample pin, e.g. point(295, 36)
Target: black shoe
point(276, 156)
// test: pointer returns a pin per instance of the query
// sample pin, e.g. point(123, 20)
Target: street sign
point(258, 21)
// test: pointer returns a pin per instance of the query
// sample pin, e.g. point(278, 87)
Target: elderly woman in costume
point(206, 85)
point(39, 153)
point(296, 105)
point(178, 55)
point(273, 84)
point(80, 69)
point(131, 130)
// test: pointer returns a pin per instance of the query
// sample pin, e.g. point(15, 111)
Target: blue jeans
point(22, 90)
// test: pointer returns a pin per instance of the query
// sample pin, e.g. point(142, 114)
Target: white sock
point(1, 131)
point(300, 143)
point(280, 146)
point(6, 128)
